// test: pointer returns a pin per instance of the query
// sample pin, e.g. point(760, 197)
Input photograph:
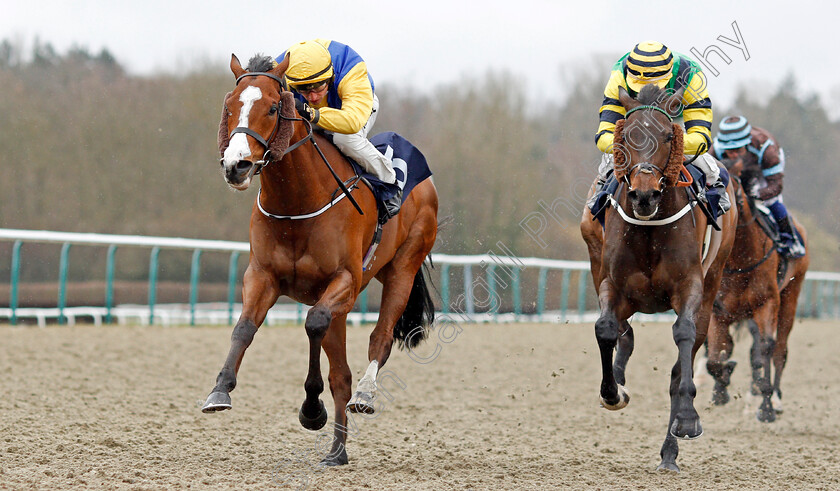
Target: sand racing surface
point(498, 407)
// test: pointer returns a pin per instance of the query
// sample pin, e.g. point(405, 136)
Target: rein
point(267, 157)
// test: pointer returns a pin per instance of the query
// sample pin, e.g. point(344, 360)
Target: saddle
point(409, 163)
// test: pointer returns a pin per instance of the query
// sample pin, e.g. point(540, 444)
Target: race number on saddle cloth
point(410, 166)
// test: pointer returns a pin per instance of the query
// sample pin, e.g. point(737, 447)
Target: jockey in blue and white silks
point(763, 173)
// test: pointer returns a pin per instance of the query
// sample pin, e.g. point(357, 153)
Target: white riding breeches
point(359, 148)
point(705, 162)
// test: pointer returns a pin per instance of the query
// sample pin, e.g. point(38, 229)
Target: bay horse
point(654, 261)
point(309, 244)
point(758, 285)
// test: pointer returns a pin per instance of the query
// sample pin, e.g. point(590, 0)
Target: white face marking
point(238, 148)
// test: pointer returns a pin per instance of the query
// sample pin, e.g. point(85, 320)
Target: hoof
point(216, 401)
point(668, 467)
point(318, 421)
point(720, 396)
point(623, 400)
point(362, 403)
point(689, 430)
point(777, 404)
point(766, 413)
point(334, 460)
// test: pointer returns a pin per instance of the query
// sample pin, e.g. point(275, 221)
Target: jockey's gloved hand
point(306, 111)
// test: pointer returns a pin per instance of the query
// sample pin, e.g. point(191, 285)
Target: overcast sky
point(426, 43)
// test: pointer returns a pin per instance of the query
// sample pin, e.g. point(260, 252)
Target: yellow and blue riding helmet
point(309, 63)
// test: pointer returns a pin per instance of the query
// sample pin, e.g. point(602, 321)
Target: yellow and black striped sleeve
point(611, 111)
point(697, 115)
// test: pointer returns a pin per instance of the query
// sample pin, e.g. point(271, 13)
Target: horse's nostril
point(656, 194)
point(243, 165)
point(633, 194)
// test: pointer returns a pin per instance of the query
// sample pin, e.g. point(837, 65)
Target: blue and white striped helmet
point(733, 132)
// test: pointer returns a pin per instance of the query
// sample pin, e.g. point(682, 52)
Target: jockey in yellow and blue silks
point(651, 62)
point(334, 90)
point(763, 171)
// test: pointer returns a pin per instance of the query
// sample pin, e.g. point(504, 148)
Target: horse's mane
point(260, 63)
point(650, 95)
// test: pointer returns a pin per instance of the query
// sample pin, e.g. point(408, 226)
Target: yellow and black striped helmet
point(650, 62)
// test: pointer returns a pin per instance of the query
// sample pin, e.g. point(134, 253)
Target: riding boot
point(599, 186)
point(792, 247)
point(393, 204)
point(724, 203)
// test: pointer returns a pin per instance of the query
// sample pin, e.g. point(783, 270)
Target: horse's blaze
point(239, 149)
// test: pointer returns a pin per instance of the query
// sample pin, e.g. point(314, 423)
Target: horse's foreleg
point(340, 381)
point(613, 396)
point(337, 300)
point(670, 448)
point(766, 317)
point(259, 292)
point(685, 421)
point(622, 354)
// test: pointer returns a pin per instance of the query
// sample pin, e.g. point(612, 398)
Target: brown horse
point(309, 244)
point(754, 289)
point(654, 260)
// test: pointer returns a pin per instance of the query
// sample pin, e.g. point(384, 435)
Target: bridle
point(649, 167)
point(268, 157)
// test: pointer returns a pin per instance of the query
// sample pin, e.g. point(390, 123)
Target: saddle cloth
point(409, 163)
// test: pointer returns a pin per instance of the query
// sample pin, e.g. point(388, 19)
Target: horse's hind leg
point(766, 317)
point(787, 314)
point(719, 366)
point(337, 300)
point(340, 380)
point(622, 354)
point(259, 292)
point(398, 283)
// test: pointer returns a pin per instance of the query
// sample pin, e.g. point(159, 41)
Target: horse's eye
point(272, 110)
point(669, 137)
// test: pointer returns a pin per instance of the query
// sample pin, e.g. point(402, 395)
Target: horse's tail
point(419, 314)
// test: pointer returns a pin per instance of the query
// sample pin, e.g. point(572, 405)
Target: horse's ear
point(235, 66)
point(673, 104)
point(281, 67)
point(626, 99)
